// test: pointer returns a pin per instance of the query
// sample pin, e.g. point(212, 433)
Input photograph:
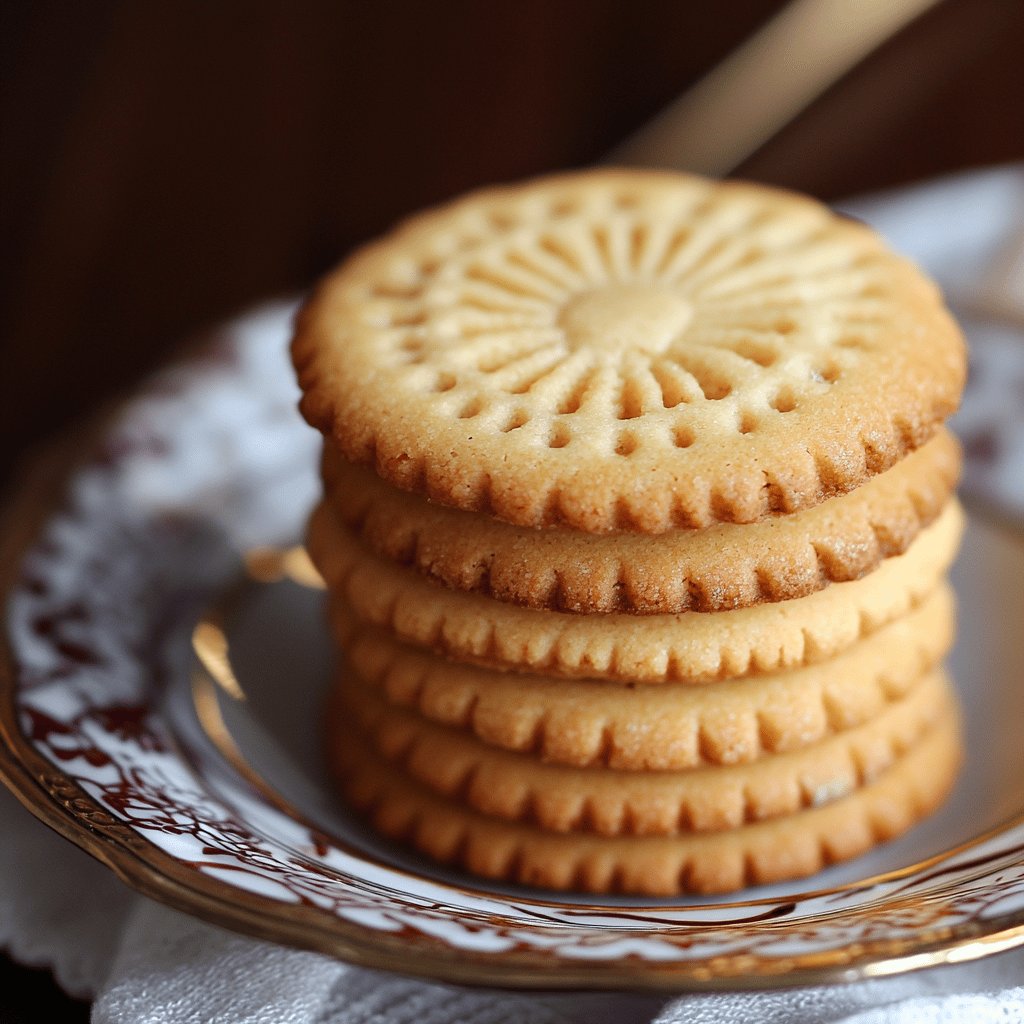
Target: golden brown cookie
point(770, 851)
point(519, 787)
point(690, 647)
point(622, 349)
point(589, 723)
point(726, 566)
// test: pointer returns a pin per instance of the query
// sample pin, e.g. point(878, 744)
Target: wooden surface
point(166, 164)
point(163, 165)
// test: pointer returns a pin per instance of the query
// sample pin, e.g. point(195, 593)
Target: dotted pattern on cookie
point(719, 568)
point(518, 787)
point(692, 647)
point(707, 863)
point(591, 723)
point(628, 350)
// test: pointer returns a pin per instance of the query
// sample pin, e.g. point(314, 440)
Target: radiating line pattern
point(692, 304)
point(628, 351)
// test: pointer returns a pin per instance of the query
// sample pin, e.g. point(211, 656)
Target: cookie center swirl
point(618, 318)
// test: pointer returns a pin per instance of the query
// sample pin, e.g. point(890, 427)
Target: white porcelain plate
point(204, 788)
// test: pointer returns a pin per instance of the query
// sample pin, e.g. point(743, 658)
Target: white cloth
point(144, 963)
point(147, 964)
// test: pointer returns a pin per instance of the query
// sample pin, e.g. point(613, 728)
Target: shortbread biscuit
point(771, 851)
point(628, 350)
point(727, 566)
point(519, 787)
point(692, 647)
point(591, 723)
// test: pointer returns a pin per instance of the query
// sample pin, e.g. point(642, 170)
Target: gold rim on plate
point(67, 808)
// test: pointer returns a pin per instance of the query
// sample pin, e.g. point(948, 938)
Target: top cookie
point(628, 350)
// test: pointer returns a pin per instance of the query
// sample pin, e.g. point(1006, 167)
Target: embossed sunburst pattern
point(608, 318)
point(619, 318)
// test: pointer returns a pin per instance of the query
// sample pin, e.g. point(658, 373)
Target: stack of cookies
point(637, 513)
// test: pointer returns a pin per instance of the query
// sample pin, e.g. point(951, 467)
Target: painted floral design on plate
point(212, 460)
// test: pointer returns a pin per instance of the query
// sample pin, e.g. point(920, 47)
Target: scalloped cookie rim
point(453, 434)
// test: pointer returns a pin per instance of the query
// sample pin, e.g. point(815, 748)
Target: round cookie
point(719, 862)
point(691, 647)
point(624, 349)
point(590, 723)
point(722, 567)
point(518, 787)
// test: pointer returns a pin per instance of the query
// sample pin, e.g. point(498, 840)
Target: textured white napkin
point(144, 963)
point(147, 964)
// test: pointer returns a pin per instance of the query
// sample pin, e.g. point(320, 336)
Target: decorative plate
point(197, 778)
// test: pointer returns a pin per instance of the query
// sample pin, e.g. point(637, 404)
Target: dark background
point(164, 164)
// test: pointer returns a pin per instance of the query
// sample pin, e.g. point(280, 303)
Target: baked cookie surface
point(594, 723)
point(628, 350)
point(721, 567)
point(784, 848)
point(608, 802)
point(692, 647)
